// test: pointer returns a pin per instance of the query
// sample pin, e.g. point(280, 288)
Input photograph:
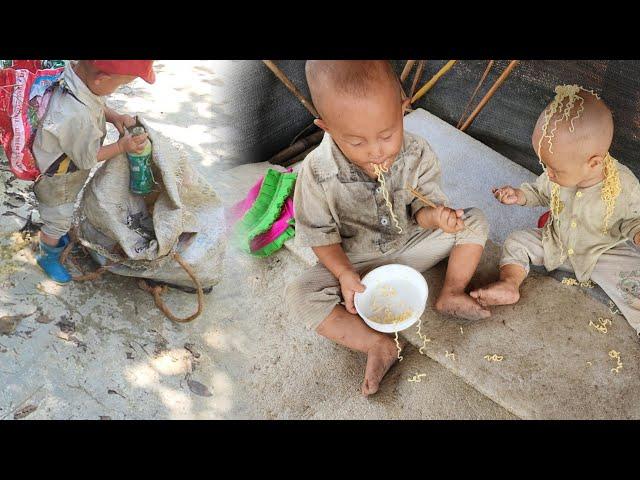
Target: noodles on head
point(567, 99)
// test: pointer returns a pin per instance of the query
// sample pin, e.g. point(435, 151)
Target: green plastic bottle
point(141, 177)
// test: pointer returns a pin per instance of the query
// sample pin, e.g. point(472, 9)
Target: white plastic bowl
point(411, 293)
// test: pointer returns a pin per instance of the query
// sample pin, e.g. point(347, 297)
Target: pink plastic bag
point(279, 226)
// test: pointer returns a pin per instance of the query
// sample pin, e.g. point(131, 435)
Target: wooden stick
point(427, 86)
point(429, 203)
point(403, 93)
point(407, 68)
point(21, 403)
point(299, 135)
point(489, 94)
point(297, 148)
point(298, 158)
point(292, 88)
point(416, 77)
point(420, 196)
point(475, 92)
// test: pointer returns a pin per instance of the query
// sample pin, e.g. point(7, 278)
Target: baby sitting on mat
point(594, 224)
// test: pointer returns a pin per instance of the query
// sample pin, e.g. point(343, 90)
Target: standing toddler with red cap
point(68, 145)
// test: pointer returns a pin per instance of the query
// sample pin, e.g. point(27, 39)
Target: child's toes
point(369, 387)
point(479, 297)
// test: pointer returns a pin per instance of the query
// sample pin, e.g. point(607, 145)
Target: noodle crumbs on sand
point(574, 283)
point(417, 377)
point(423, 337)
point(616, 355)
point(494, 358)
point(602, 324)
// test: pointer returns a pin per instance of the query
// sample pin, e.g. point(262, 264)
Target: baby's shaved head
point(356, 78)
point(581, 120)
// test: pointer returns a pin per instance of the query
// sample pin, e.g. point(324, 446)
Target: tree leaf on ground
point(25, 411)
point(198, 388)
point(114, 392)
point(9, 323)
point(44, 319)
point(66, 326)
point(190, 347)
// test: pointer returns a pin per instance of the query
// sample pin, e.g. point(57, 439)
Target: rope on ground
point(85, 276)
point(158, 290)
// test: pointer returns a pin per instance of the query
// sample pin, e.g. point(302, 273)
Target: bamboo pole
point(292, 88)
point(403, 94)
point(299, 157)
point(407, 68)
point(299, 135)
point(475, 92)
point(427, 86)
point(297, 148)
point(417, 77)
point(489, 94)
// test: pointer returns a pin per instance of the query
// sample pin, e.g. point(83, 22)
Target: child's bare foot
point(498, 293)
point(380, 357)
point(461, 305)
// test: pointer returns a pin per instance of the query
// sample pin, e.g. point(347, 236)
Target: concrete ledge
point(546, 342)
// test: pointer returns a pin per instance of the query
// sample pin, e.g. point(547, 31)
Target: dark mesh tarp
point(268, 116)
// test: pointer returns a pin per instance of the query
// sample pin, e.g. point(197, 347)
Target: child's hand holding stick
point(429, 203)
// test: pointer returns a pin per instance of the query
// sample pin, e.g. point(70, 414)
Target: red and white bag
point(24, 97)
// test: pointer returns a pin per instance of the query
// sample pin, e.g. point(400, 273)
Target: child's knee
point(56, 220)
point(293, 292)
point(512, 240)
point(514, 251)
point(477, 220)
point(517, 241)
point(298, 290)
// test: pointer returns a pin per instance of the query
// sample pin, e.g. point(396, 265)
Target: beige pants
point(56, 199)
point(617, 271)
point(313, 295)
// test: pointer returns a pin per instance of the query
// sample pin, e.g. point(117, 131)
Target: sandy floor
point(102, 350)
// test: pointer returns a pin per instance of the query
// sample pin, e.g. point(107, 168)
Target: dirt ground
point(102, 349)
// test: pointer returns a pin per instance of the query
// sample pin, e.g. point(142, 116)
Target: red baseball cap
point(139, 68)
